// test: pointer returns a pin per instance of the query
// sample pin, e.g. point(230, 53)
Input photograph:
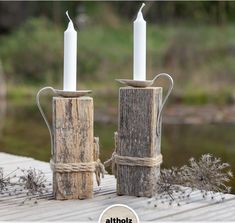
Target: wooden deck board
point(214, 212)
point(49, 209)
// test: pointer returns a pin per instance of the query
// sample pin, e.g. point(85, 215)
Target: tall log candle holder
point(138, 156)
point(75, 151)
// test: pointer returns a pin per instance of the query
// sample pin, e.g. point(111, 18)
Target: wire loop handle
point(43, 114)
point(165, 99)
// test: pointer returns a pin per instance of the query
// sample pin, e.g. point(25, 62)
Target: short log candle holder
point(75, 151)
point(138, 141)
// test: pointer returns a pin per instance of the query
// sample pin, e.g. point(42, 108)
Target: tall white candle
point(70, 57)
point(139, 65)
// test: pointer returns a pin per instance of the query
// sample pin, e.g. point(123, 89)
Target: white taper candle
point(70, 57)
point(139, 64)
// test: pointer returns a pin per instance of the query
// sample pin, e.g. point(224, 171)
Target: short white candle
point(70, 57)
point(139, 65)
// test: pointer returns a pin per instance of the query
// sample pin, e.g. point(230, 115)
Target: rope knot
point(99, 171)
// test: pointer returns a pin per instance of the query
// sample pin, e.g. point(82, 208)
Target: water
point(24, 133)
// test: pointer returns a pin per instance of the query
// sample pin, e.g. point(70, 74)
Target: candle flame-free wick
point(67, 13)
point(142, 6)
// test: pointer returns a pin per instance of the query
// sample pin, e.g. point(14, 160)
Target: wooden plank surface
point(49, 209)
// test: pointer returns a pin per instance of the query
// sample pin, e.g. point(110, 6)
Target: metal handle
point(165, 99)
point(43, 114)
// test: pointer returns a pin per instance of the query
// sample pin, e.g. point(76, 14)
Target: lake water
point(24, 133)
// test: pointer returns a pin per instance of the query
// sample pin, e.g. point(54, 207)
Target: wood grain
point(138, 112)
point(48, 209)
point(73, 142)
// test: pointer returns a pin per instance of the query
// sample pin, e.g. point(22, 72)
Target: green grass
point(200, 59)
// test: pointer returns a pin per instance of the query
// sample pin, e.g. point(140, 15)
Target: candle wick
point(142, 6)
point(67, 13)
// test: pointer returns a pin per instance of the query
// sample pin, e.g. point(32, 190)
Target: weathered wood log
point(73, 143)
point(137, 128)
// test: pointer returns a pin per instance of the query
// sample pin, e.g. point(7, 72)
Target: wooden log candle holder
point(138, 141)
point(75, 150)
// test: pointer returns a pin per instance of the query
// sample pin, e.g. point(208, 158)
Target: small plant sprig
point(30, 182)
point(169, 189)
point(33, 183)
point(208, 174)
point(5, 181)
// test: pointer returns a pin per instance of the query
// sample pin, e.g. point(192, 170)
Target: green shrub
point(33, 53)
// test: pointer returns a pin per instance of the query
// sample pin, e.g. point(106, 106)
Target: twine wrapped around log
point(130, 161)
point(96, 166)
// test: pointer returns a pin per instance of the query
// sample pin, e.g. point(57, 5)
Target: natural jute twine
point(130, 161)
point(96, 166)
